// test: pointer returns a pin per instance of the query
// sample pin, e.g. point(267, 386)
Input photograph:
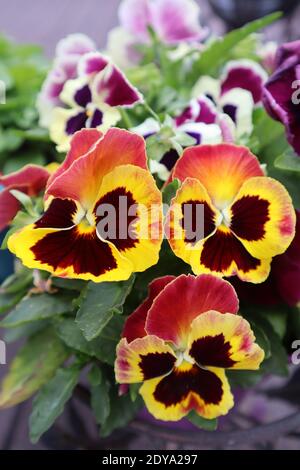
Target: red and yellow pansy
point(98, 171)
point(248, 218)
point(179, 342)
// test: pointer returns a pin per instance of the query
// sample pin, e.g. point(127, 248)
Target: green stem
point(151, 112)
point(126, 118)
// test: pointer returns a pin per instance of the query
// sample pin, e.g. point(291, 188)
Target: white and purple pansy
point(236, 93)
point(173, 21)
point(91, 100)
point(199, 120)
point(68, 52)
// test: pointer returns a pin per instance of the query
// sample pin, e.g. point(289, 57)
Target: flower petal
point(134, 16)
point(74, 253)
point(182, 300)
point(238, 105)
point(222, 254)
point(263, 217)
point(223, 340)
point(143, 359)
point(31, 180)
point(188, 388)
point(135, 324)
point(245, 74)
point(33, 177)
point(131, 194)
point(221, 169)
point(191, 218)
point(77, 44)
point(81, 143)
point(82, 180)
point(111, 87)
point(176, 20)
point(92, 62)
point(9, 208)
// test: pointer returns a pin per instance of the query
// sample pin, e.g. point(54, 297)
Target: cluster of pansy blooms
point(182, 338)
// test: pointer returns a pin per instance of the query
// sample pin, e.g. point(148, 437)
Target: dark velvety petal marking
point(249, 216)
point(156, 364)
point(169, 159)
point(231, 110)
point(117, 89)
point(190, 221)
point(76, 123)
point(85, 253)
point(176, 387)
point(59, 214)
point(97, 118)
point(248, 76)
point(208, 112)
point(83, 96)
point(212, 351)
point(222, 249)
point(122, 235)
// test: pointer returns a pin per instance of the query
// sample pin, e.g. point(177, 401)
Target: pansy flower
point(173, 21)
point(238, 90)
point(179, 343)
point(102, 176)
point(199, 120)
point(92, 99)
point(227, 217)
point(67, 55)
point(30, 180)
point(281, 92)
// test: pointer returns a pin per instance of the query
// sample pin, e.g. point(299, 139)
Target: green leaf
point(288, 161)
point(170, 191)
point(25, 331)
point(99, 302)
point(202, 423)
point(50, 401)
point(100, 400)
point(219, 51)
point(103, 347)
point(37, 307)
point(33, 366)
point(122, 411)
point(261, 339)
point(69, 284)
point(17, 282)
point(244, 378)
point(8, 301)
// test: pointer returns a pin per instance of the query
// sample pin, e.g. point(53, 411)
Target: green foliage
point(99, 302)
point(122, 411)
point(100, 399)
point(221, 50)
point(33, 366)
point(103, 347)
point(23, 70)
point(37, 307)
point(50, 401)
point(203, 423)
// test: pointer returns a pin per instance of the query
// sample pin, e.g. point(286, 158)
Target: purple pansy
point(68, 52)
point(282, 92)
point(92, 99)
